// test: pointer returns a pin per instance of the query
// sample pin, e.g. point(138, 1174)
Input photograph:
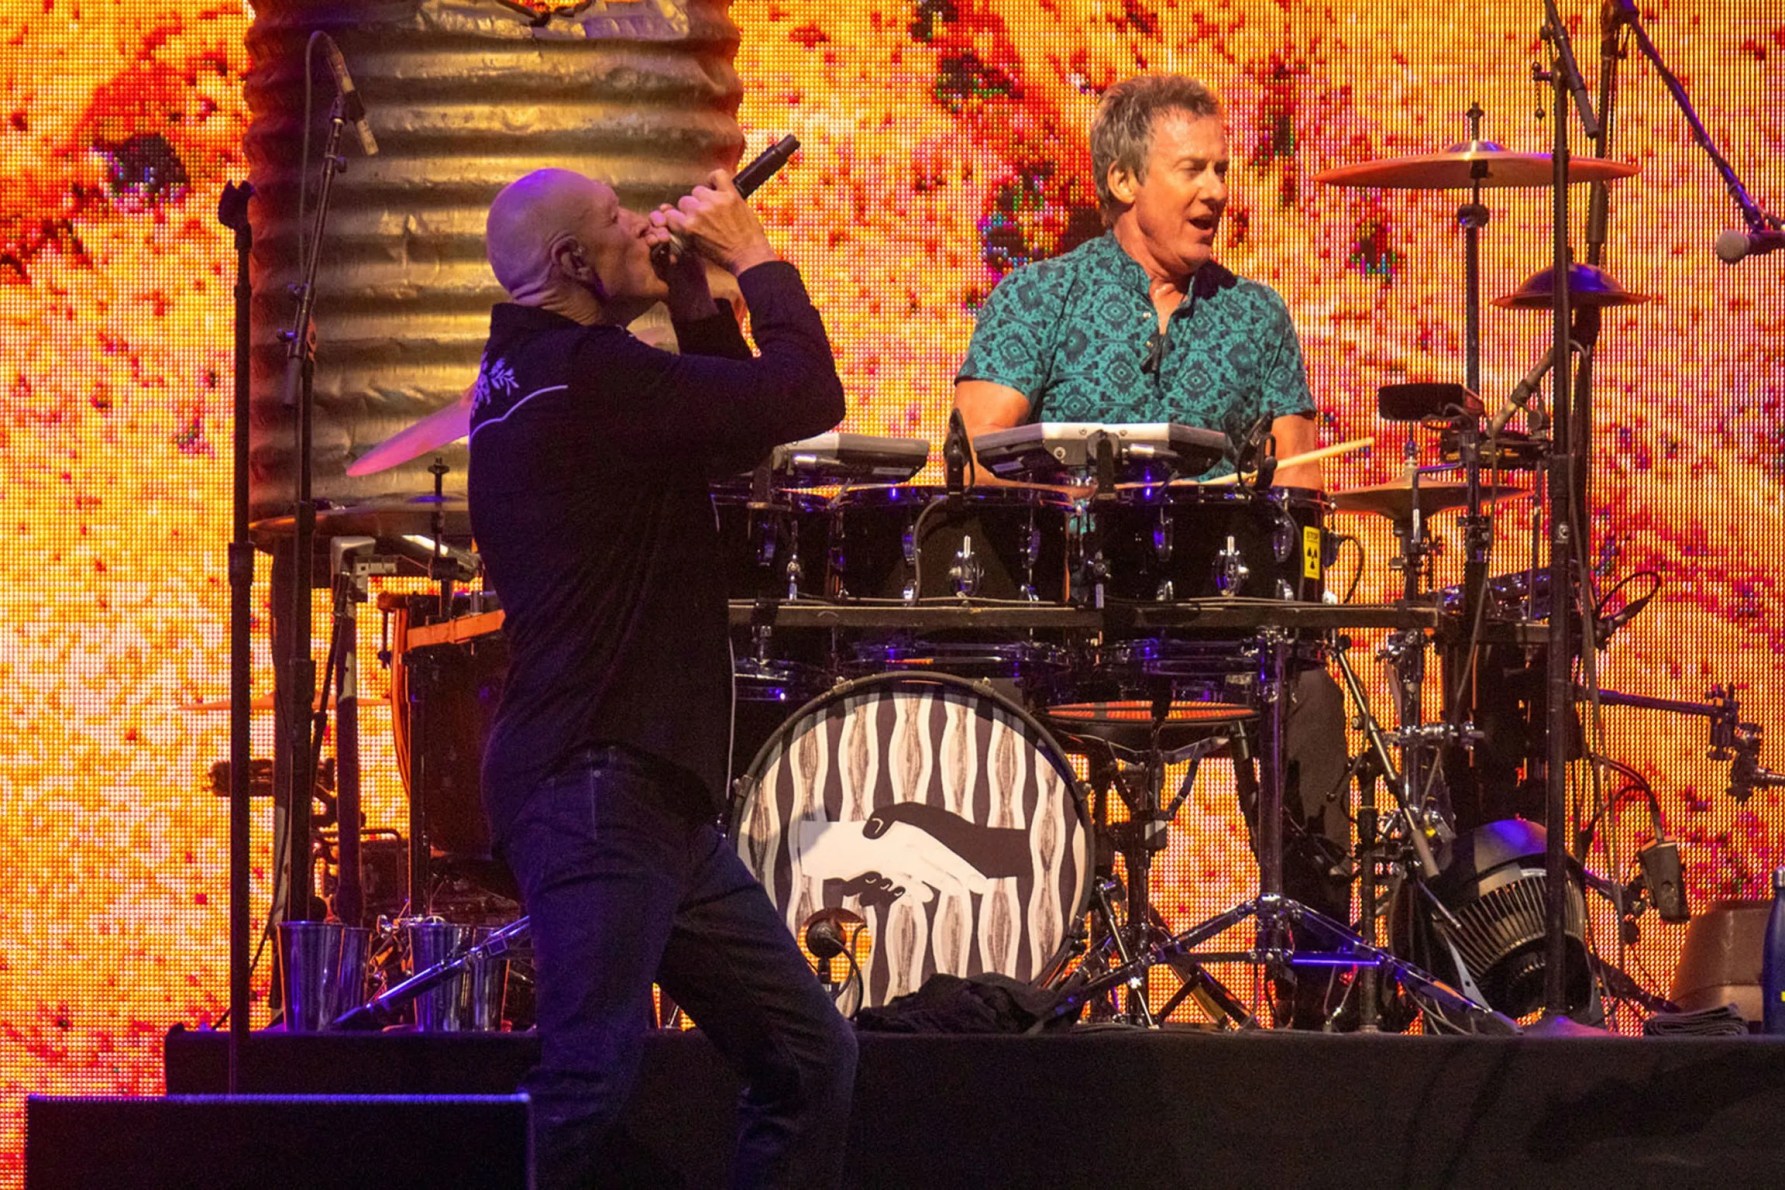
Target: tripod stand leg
point(1208, 993)
point(1436, 995)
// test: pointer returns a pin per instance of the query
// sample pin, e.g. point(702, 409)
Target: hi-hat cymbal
point(393, 517)
point(1395, 499)
point(1587, 286)
point(442, 427)
point(1463, 165)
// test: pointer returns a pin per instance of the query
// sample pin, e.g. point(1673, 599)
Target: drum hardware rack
point(1128, 757)
point(1274, 915)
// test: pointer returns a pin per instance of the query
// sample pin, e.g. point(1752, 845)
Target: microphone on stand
point(762, 167)
point(1736, 245)
point(352, 106)
point(1521, 393)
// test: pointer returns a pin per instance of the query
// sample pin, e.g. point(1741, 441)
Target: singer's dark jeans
point(626, 884)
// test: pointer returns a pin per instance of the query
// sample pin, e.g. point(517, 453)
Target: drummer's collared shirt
point(1076, 335)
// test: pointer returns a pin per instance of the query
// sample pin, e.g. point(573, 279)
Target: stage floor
point(1120, 1107)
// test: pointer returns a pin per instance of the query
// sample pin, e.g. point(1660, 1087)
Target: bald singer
point(606, 767)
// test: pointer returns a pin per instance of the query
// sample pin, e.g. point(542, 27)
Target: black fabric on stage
point(1096, 1108)
point(950, 1004)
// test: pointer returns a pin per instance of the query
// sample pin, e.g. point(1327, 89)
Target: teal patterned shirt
point(1073, 335)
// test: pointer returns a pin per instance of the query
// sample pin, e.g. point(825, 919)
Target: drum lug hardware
point(1032, 545)
point(1162, 535)
point(908, 545)
point(1231, 569)
point(795, 575)
point(1284, 590)
point(1284, 538)
point(1166, 592)
point(966, 571)
point(766, 543)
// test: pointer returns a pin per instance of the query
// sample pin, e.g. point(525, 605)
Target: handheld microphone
point(762, 167)
point(1735, 245)
point(352, 106)
point(765, 165)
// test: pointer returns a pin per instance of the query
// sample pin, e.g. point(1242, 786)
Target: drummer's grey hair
point(1122, 129)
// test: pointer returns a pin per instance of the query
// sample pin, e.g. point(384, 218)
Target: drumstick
point(1312, 456)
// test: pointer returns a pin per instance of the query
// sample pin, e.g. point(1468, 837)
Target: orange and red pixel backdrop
point(943, 143)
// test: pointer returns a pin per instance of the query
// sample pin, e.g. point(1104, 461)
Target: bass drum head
point(940, 812)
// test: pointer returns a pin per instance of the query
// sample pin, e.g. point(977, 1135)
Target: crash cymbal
point(1587, 286)
point(1461, 165)
point(442, 427)
point(392, 517)
point(1395, 499)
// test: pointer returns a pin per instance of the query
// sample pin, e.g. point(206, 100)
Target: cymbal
point(1458, 167)
point(442, 427)
point(1395, 499)
point(1587, 286)
point(392, 517)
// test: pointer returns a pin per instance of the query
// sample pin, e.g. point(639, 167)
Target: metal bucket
point(485, 983)
point(351, 970)
point(309, 966)
point(434, 940)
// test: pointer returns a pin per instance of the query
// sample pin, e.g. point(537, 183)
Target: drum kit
point(923, 672)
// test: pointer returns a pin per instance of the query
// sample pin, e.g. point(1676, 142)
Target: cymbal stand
point(1478, 532)
point(353, 560)
point(1405, 650)
point(1332, 944)
point(440, 567)
point(1376, 742)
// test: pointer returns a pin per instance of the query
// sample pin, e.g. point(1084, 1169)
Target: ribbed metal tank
point(464, 96)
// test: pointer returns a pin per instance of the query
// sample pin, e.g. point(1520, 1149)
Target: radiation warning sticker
point(1310, 551)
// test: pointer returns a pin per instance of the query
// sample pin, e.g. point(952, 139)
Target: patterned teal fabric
point(1072, 334)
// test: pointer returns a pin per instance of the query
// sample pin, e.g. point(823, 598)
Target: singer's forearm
point(689, 298)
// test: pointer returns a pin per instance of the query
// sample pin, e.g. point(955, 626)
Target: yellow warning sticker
point(1310, 551)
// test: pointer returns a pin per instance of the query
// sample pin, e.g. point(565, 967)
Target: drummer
point(1142, 325)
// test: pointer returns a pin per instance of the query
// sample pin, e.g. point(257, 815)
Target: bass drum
point(940, 812)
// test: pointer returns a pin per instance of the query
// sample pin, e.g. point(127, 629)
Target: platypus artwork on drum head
point(911, 849)
point(936, 809)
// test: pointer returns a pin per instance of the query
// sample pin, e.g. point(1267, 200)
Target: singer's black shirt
point(591, 454)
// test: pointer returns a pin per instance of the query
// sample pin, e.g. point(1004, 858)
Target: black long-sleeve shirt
point(590, 459)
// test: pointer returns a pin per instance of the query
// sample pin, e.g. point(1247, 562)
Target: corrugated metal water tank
point(464, 96)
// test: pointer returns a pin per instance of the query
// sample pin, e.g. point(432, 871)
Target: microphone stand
point(299, 684)
point(1752, 215)
point(1566, 82)
point(232, 212)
